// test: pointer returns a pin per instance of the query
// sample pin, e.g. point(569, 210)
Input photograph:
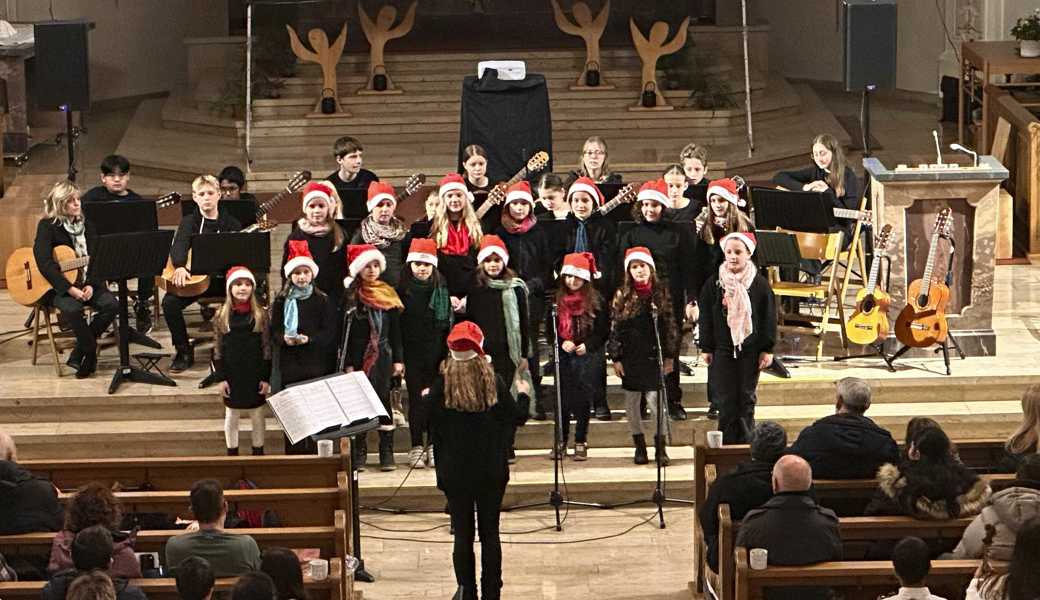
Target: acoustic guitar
point(498, 193)
point(869, 321)
point(411, 185)
point(922, 322)
point(196, 285)
point(295, 184)
point(624, 196)
point(26, 284)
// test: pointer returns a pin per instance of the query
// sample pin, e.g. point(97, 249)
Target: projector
point(508, 70)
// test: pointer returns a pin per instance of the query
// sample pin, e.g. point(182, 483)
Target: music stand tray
point(809, 212)
point(124, 216)
point(119, 257)
point(777, 249)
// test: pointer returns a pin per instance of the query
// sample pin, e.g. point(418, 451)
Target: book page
point(356, 396)
point(306, 409)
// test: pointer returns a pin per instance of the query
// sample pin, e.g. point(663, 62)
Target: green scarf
point(440, 302)
point(511, 314)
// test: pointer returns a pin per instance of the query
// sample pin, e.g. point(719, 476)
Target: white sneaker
point(415, 458)
point(399, 420)
point(429, 457)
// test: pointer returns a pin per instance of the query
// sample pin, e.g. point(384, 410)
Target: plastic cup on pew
point(319, 569)
point(325, 448)
point(714, 439)
point(759, 558)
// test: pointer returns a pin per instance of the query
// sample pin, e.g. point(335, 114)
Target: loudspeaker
point(62, 65)
point(870, 44)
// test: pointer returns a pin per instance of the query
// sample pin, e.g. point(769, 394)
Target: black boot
point(258, 451)
point(464, 593)
point(386, 451)
point(75, 357)
point(184, 359)
point(360, 452)
point(87, 365)
point(602, 413)
point(232, 451)
point(640, 457)
point(661, 451)
point(143, 318)
point(676, 411)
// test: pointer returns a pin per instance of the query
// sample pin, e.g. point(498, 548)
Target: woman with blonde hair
point(1023, 441)
point(457, 232)
point(64, 224)
point(594, 163)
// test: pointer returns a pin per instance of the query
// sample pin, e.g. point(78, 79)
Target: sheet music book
point(337, 402)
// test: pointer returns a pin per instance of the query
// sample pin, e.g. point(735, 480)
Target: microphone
point(653, 308)
point(974, 155)
point(938, 150)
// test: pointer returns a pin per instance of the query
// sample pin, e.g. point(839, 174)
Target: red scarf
point(458, 240)
point(242, 308)
point(643, 290)
point(572, 306)
point(513, 227)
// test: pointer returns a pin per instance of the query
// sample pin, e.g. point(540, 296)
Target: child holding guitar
point(63, 224)
point(205, 191)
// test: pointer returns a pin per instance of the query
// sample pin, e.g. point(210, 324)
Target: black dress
point(332, 264)
point(242, 357)
point(632, 343)
point(394, 253)
point(317, 321)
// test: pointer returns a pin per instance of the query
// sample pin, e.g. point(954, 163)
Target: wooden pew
point(331, 588)
point(859, 580)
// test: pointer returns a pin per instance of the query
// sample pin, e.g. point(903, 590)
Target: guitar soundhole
point(868, 304)
point(922, 300)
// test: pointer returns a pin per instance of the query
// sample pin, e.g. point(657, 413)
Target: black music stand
point(808, 212)
point(119, 257)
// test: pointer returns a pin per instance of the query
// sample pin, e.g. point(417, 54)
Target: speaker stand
point(864, 117)
point(72, 133)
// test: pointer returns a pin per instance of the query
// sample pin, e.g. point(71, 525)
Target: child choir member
point(372, 340)
point(457, 233)
point(425, 322)
point(350, 175)
point(683, 209)
point(633, 348)
point(552, 198)
point(737, 333)
point(303, 328)
point(694, 161)
point(474, 165)
point(242, 358)
point(382, 229)
point(325, 239)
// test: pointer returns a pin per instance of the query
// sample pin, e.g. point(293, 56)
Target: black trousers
point(578, 378)
point(506, 369)
point(173, 311)
point(105, 308)
point(488, 505)
point(418, 409)
point(733, 382)
point(145, 289)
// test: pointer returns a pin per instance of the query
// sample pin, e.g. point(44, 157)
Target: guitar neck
point(74, 265)
point(875, 268)
point(848, 213)
point(926, 279)
point(265, 207)
point(609, 206)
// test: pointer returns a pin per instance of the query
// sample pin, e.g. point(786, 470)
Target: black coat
point(27, 503)
point(594, 332)
point(317, 321)
point(796, 531)
point(744, 489)
point(242, 357)
point(58, 586)
point(424, 343)
point(794, 180)
point(352, 210)
point(394, 253)
point(530, 257)
point(845, 446)
point(459, 271)
point(390, 348)
point(602, 235)
point(50, 235)
point(632, 343)
point(926, 490)
point(193, 224)
point(332, 264)
point(100, 193)
point(714, 332)
point(484, 307)
point(671, 245)
point(472, 448)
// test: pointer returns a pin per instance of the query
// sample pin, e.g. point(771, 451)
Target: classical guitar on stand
point(869, 321)
point(498, 193)
point(922, 321)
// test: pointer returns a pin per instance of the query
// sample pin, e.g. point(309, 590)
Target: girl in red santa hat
point(582, 328)
point(497, 303)
point(382, 229)
point(242, 358)
point(303, 329)
point(737, 334)
point(372, 339)
point(324, 236)
point(457, 233)
point(632, 346)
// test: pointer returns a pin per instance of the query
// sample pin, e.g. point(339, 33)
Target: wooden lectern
point(909, 198)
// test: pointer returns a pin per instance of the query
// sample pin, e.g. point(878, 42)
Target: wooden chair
point(824, 247)
point(57, 340)
point(855, 254)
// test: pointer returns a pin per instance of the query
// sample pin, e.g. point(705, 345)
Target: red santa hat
point(581, 265)
point(657, 191)
point(747, 237)
point(466, 341)
point(300, 256)
point(641, 253)
point(492, 244)
point(358, 256)
point(316, 190)
point(422, 250)
point(237, 272)
point(726, 188)
point(519, 191)
point(587, 185)
point(453, 181)
point(379, 191)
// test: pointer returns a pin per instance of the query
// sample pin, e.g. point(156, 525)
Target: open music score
point(942, 167)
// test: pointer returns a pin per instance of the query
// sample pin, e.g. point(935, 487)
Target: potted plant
point(1027, 31)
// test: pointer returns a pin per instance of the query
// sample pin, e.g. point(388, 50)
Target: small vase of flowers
point(1027, 31)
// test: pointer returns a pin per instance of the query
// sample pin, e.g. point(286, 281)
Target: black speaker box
point(870, 44)
point(62, 72)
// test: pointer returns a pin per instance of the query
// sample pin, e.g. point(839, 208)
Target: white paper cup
point(714, 439)
point(324, 447)
point(319, 569)
point(759, 558)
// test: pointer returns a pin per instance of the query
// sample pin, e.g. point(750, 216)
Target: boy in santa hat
point(382, 229)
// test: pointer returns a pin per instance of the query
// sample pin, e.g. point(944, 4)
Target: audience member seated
point(792, 527)
point(255, 585)
point(914, 428)
point(95, 504)
point(911, 561)
point(930, 484)
point(1022, 579)
point(747, 487)
point(1008, 511)
point(846, 445)
point(228, 554)
point(283, 566)
point(95, 585)
point(91, 550)
point(1024, 441)
point(194, 579)
point(26, 503)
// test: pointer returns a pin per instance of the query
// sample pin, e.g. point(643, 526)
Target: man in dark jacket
point(27, 504)
point(847, 445)
point(792, 527)
point(748, 487)
point(92, 549)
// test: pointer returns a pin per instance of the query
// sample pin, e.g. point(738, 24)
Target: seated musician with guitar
point(205, 191)
point(63, 224)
